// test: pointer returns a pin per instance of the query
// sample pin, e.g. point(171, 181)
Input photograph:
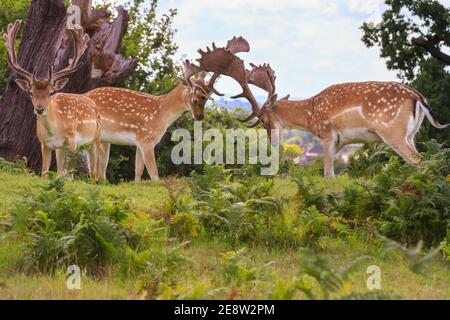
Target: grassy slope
point(272, 264)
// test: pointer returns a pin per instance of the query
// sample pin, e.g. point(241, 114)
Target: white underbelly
point(54, 142)
point(80, 139)
point(357, 135)
point(120, 138)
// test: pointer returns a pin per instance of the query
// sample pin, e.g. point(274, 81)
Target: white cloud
point(310, 43)
point(365, 6)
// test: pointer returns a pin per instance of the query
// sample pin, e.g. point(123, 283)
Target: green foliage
point(239, 209)
point(163, 268)
point(150, 40)
point(18, 167)
point(61, 227)
point(433, 80)
point(320, 281)
point(445, 246)
point(430, 19)
point(407, 203)
point(418, 260)
point(315, 225)
point(236, 269)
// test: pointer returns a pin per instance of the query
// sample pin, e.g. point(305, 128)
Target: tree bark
point(44, 41)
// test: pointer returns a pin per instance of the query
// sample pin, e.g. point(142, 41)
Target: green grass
point(206, 274)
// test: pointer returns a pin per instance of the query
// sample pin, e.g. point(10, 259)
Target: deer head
point(42, 90)
point(199, 88)
point(224, 62)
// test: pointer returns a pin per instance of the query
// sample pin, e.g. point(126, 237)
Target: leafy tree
point(434, 82)
point(150, 39)
point(411, 31)
point(413, 37)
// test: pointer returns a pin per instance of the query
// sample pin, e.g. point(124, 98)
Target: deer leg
point(61, 162)
point(71, 147)
point(329, 154)
point(402, 147)
point(46, 159)
point(148, 155)
point(92, 160)
point(103, 159)
point(140, 165)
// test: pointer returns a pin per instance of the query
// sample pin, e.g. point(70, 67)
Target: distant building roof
point(317, 149)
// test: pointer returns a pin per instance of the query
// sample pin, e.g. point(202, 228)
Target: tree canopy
point(411, 31)
point(413, 37)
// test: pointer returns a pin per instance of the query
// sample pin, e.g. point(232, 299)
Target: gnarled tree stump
point(45, 42)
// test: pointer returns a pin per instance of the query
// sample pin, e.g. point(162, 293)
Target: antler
point(263, 77)
point(80, 40)
point(223, 61)
point(10, 38)
point(189, 70)
point(235, 45)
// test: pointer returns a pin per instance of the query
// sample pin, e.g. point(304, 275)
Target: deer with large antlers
point(64, 121)
point(340, 115)
point(138, 119)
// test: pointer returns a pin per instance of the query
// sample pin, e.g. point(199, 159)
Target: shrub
point(408, 203)
point(61, 227)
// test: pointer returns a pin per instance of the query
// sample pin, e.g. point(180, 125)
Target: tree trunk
point(44, 41)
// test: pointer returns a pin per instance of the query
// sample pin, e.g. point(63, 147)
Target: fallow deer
point(340, 115)
point(64, 121)
point(138, 119)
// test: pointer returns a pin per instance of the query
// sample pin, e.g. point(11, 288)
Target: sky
point(310, 44)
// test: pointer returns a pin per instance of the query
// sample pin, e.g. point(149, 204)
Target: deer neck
point(48, 120)
point(175, 103)
point(294, 114)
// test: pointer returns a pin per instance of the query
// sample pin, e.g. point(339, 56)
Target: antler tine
point(223, 61)
point(237, 45)
point(263, 77)
point(80, 41)
point(10, 38)
point(189, 70)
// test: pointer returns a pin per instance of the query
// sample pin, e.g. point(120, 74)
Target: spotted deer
point(139, 119)
point(340, 115)
point(64, 121)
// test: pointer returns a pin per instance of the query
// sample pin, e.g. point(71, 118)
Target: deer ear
point(273, 99)
point(59, 84)
point(23, 84)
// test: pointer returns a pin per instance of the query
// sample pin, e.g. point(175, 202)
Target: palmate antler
point(235, 45)
point(223, 61)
